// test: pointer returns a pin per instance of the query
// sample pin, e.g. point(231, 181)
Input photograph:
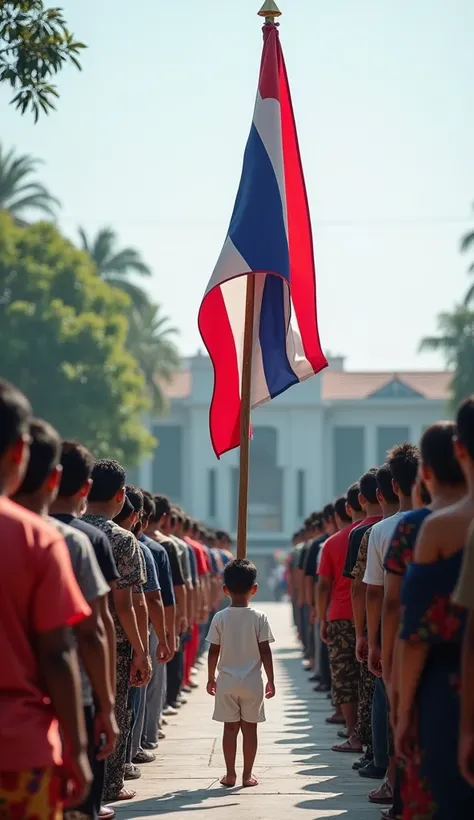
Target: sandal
point(126, 794)
point(347, 747)
point(383, 795)
point(106, 813)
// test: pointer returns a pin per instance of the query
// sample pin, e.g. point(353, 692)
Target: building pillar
point(370, 437)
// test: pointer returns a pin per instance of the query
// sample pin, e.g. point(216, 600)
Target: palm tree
point(467, 244)
point(18, 191)
point(113, 265)
point(150, 340)
point(456, 342)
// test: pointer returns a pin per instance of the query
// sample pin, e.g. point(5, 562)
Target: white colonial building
point(309, 444)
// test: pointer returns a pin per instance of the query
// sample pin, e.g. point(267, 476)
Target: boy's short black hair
point(162, 507)
point(437, 452)
point(353, 497)
point(77, 463)
point(45, 452)
point(340, 509)
point(403, 460)
point(384, 483)
point(15, 415)
point(465, 424)
point(109, 478)
point(127, 510)
point(240, 576)
point(368, 486)
point(135, 496)
point(222, 535)
point(148, 504)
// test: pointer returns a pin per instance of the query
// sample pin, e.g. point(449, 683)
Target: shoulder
point(17, 519)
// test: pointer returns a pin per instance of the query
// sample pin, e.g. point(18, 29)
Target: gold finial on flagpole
point(270, 11)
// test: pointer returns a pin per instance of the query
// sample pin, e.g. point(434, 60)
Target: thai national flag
point(269, 238)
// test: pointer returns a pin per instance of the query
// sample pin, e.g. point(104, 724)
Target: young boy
point(240, 640)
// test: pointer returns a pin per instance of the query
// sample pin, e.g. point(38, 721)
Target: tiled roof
point(339, 385)
point(346, 385)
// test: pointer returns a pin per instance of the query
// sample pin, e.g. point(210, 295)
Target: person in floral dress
point(432, 627)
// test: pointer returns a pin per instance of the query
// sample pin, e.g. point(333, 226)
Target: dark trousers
point(174, 675)
point(91, 804)
point(133, 706)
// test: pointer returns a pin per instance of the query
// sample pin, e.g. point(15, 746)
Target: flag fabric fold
point(269, 238)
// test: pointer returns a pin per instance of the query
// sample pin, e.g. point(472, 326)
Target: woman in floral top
point(431, 634)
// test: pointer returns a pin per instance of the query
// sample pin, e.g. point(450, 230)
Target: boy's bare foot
point(229, 781)
point(248, 782)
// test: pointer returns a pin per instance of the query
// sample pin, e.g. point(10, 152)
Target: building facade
point(308, 445)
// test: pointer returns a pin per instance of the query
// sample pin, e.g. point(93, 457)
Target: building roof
point(346, 385)
point(340, 385)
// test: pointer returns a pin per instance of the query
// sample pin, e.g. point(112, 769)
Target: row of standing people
point(107, 594)
point(382, 585)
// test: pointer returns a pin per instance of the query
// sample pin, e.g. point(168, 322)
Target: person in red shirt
point(39, 679)
point(337, 623)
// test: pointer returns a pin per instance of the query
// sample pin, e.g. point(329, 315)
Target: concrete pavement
point(300, 777)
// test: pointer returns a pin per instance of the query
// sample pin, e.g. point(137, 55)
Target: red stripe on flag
point(224, 415)
point(300, 238)
point(268, 84)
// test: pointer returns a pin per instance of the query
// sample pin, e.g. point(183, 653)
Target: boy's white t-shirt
point(238, 631)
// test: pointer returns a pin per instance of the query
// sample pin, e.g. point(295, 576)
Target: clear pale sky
point(149, 139)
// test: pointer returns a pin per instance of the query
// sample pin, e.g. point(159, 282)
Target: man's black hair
point(77, 463)
point(340, 509)
point(45, 452)
point(368, 486)
point(403, 461)
point(109, 478)
point(135, 496)
point(222, 535)
point(437, 452)
point(328, 512)
point(384, 483)
point(162, 506)
point(15, 415)
point(127, 510)
point(353, 497)
point(240, 576)
point(465, 424)
point(148, 505)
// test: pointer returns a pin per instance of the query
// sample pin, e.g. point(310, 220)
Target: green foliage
point(62, 336)
point(151, 342)
point(35, 43)
point(456, 342)
point(114, 265)
point(18, 192)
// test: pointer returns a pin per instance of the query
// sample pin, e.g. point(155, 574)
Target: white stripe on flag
point(267, 121)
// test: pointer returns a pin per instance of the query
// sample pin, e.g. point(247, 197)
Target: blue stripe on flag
point(257, 227)
point(272, 334)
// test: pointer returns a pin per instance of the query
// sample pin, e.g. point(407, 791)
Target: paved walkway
point(299, 775)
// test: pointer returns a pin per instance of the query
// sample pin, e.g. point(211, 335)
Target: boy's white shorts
point(237, 701)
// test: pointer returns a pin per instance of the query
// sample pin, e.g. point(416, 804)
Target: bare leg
point(229, 747)
point(250, 743)
point(353, 744)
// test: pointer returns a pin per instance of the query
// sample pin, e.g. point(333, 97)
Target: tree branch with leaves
point(35, 44)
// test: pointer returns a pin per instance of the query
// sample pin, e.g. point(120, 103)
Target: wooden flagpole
point(269, 11)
